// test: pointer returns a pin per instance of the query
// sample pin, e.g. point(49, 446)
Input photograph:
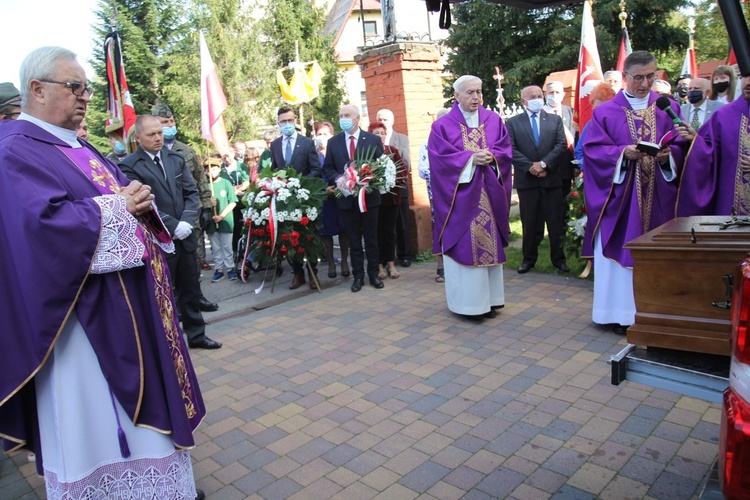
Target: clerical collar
point(468, 113)
point(69, 137)
point(636, 102)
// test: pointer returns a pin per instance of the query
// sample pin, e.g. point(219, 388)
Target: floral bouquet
point(577, 219)
point(362, 176)
point(283, 208)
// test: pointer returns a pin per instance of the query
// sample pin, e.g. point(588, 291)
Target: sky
point(36, 23)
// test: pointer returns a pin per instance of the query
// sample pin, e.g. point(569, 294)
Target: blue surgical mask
point(346, 124)
point(119, 148)
point(287, 129)
point(169, 132)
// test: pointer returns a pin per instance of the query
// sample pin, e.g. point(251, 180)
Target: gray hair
point(442, 112)
point(41, 64)
point(355, 108)
point(556, 83)
point(639, 58)
point(386, 112)
point(462, 80)
point(611, 72)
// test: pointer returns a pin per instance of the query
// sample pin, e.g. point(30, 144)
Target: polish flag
point(589, 69)
point(120, 111)
point(213, 102)
point(689, 65)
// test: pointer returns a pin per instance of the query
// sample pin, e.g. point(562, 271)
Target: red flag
point(625, 50)
point(120, 111)
point(589, 69)
point(731, 58)
point(213, 102)
point(689, 65)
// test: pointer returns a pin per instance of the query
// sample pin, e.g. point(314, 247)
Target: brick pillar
point(405, 78)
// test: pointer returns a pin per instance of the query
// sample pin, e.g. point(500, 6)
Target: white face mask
point(552, 101)
point(535, 105)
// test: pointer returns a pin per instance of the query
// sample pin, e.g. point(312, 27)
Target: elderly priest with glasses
point(96, 378)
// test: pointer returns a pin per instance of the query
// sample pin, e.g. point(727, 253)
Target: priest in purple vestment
point(95, 375)
point(716, 180)
point(470, 155)
point(627, 191)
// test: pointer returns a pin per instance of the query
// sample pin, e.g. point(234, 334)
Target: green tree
point(299, 20)
point(711, 39)
point(528, 45)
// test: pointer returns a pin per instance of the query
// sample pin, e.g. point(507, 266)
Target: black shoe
point(357, 285)
point(472, 317)
point(205, 343)
point(405, 263)
point(491, 314)
point(497, 308)
point(525, 268)
point(199, 495)
point(563, 268)
point(376, 282)
point(206, 305)
point(620, 329)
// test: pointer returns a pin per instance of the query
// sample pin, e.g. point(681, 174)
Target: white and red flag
point(213, 102)
point(589, 68)
point(120, 111)
point(689, 65)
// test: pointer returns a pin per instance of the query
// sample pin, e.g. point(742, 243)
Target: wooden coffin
point(678, 275)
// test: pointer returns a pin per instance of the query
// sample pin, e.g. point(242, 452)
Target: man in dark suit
point(354, 143)
point(539, 147)
point(699, 108)
point(176, 197)
point(299, 152)
point(554, 96)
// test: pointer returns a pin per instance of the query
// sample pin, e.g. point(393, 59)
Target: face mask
point(287, 129)
point(682, 91)
point(535, 105)
point(346, 124)
point(119, 148)
point(695, 96)
point(721, 87)
point(321, 141)
point(169, 132)
point(552, 101)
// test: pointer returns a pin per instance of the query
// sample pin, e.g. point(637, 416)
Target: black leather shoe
point(357, 285)
point(206, 305)
point(376, 282)
point(205, 343)
point(405, 263)
point(199, 495)
point(563, 268)
point(491, 314)
point(497, 308)
point(525, 268)
point(620, 329)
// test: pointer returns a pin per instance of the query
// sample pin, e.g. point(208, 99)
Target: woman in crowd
point(723, 82)
point(332, 223)
point(389, 205)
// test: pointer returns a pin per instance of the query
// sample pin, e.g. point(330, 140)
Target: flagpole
point(211, 180)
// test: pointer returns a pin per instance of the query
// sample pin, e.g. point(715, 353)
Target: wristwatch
point(544, 165)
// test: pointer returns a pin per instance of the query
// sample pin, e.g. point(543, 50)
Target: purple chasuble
point(471, 219)
point(47, 244)
point(713, 183)
point(645, 199)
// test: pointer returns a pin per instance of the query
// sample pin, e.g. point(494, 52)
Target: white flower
point(579, 225)
point(303, 194)
point(293, 182)
point(312, 213)
point(283, 194)
point(250, 198)
point(261, 199)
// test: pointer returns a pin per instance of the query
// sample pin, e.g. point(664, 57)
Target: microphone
point(663, 103)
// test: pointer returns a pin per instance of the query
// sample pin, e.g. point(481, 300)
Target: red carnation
point(285, 236)
point(283, 249)
point(304, 220)
point(309, 238)
point(574, 194)
point(300, 250)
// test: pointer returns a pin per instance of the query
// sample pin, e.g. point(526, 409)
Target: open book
point(652, 149)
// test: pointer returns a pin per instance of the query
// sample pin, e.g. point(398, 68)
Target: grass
point(515, 256)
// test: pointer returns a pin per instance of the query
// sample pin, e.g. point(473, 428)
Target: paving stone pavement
point(385, 394)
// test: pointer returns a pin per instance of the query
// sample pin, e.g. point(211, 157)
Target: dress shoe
point(497, 308)
point(619, 329)
point(563, 268)
point(525, 268)
point(405, 262)
point(357, 285)
point(491, 314)
point(199, 495)
point(297, 281)
point(376, 282)
point(206, 305)
point(205, 343)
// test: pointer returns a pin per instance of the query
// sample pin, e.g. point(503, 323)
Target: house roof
point(527, 4)
point(341, 12)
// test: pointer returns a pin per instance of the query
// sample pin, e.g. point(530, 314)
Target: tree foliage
point(528, 45)
point(711, 40)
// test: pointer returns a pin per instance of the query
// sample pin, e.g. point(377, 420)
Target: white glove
point(183, 230)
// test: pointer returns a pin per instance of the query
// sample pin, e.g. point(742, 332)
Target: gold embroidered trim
point(742, 179)
point(484, 234)
point(645, 168)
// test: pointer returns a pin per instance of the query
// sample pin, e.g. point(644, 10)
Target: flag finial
point(623, 13)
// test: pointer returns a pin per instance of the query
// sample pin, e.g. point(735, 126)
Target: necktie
point(288, 151)
point(159, 165)
point(695, 123)
point(352, 147)
point(535, 128)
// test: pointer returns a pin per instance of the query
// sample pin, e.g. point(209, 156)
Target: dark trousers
point(403, 242)
point(387, 233)
point(539, 206)
point(187, 291)
point(359, 225)
point(239, 224)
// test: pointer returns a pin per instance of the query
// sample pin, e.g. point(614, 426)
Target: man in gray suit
point(699, 108)
point(539, 149)
point(176, 197)
point(401, 143)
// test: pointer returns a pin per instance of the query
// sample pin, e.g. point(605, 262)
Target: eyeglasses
point(78, 89)
point(639, 78)
point(286, 122)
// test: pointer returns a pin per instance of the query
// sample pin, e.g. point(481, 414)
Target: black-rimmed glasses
point(77, 88)
point(639, 78)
